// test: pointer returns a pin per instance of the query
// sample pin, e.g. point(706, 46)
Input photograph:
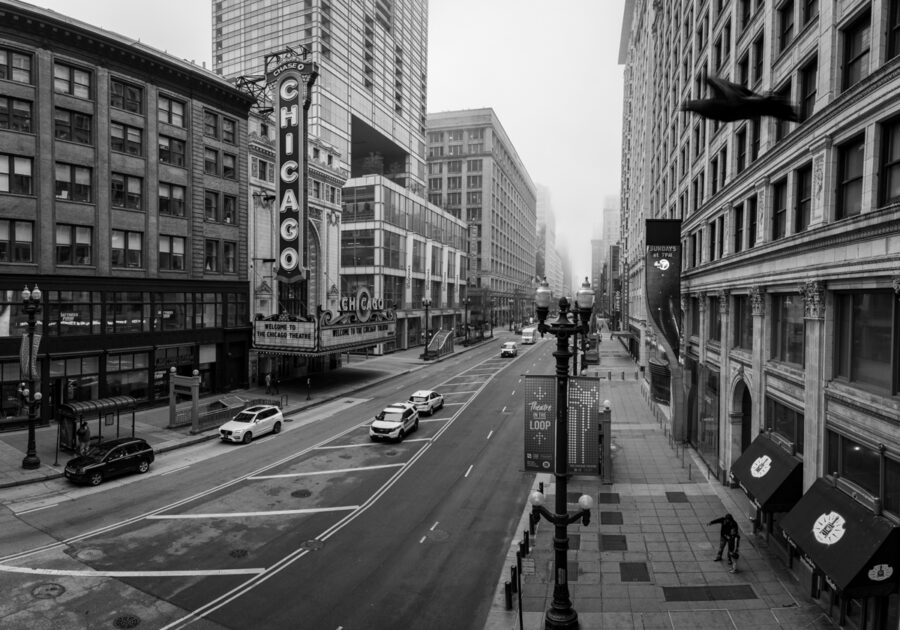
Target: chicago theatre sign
point(357, 321)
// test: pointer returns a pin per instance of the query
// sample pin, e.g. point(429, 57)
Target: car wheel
point(276, 428)
point(248, 437)
point(144, 466)
point(416, 425)
point(96, 478)
point(441, 406)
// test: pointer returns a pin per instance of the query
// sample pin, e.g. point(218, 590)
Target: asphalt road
point(314, 528)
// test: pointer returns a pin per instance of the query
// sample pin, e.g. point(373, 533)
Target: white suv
point(394, 422)
point(252, 422)
point(427, 401)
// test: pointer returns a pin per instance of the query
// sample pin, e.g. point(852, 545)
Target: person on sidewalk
point(84, 437)
point(277, 384)
point(268, 382)
point(729, 535)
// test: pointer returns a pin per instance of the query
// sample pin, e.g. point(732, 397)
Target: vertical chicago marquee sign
point(292, 77)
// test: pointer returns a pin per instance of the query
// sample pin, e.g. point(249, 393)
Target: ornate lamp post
point(561, 615)
point(426, 302)
point(31, 302)
point(466, 303)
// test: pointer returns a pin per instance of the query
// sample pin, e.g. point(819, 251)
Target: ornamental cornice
point(723, 294)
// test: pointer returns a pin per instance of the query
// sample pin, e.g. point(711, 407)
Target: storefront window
point(209, 310)
point(171, 310)
point(10, 378)
point(74, 313)
point(80, 377)
point(714, 317)
point(127, 312)
point(127, 375)
point(787, 328)
point(394, 288)
point(13, 320)
point(709, 419)
point(785, 422)
point(859, 464)
point(865, 324)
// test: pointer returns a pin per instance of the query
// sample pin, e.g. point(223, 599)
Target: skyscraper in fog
point(369, 101)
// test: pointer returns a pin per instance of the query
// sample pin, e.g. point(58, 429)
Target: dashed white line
point(470, 470)
point(514, 392)
point(503, 410)
point(490, 434)
point(126, 574)
point(169, 472)
point(422, 539)
point(43, 507)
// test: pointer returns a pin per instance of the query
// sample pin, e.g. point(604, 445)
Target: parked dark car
point(110, 459)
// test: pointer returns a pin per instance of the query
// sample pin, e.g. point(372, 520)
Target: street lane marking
point(433, 526)
point(327, 472)
point(490, 434)
point(343, 508)
point(130, 574)
point(169, 472)
point(470, 470)
point(43, 507)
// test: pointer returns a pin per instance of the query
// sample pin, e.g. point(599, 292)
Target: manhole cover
point(634, 572)
point(89, 554)
point(676, 497)
point(312, 545)
point(50, 590)
point(127, 621)
point(301, 494)
point(708, 593)
point(238, 553)
point(391, 453)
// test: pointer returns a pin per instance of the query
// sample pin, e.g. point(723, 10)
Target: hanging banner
point(28, 354)
point(293, 79)
point(584, 425)
point(540, 420)
point(662, 269)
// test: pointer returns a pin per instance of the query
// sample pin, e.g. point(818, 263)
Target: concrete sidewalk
point(646, 559)
point(151, 424)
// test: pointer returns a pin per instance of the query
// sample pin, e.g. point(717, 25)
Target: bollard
point(513, 580)
point(682, 455)
point(623, 375)
point(523, 548)
point(541, 487)
point(609, 375)
point(507, 588)
point(526, 542)
point(531, 523)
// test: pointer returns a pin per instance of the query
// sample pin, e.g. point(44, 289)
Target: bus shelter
point(103, 415)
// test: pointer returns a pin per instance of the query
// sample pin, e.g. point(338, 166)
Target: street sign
point(540, 419)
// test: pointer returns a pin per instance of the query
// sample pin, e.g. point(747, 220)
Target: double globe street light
point(561, 615)
point(426, 302)
point(31, 304)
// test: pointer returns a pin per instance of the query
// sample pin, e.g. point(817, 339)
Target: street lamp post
point(31, 302)
point(466, 303)
point(561, 615)
point(426, 302)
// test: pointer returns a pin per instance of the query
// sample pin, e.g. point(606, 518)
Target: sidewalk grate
point(613, 542)
point(634, 572)
point(676, 497)
point(608, 497)
point(708, 593)
point(611, 518)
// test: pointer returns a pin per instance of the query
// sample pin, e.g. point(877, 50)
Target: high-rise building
point(546, 244)
point(790, 276)
point(475, 173)
point(369, 103)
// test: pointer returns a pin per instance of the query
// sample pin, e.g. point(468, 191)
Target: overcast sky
point(548, 69)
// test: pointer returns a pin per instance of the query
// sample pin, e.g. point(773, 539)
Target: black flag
point(735, 102)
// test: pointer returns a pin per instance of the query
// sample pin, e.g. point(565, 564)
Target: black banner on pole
point(663, 279)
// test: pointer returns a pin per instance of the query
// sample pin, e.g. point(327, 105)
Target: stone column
point(726, 451)
point(758, 360)
point(813, 382)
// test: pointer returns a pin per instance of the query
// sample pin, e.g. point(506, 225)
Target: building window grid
point(125, 138)
point(71, 80)
point(126, 191)
point(16, 114)
point(127, 249)
point(126, 96)
point(16, 241)
point(857, 45)
point(15, 66)
point(73, 244)
point(850, 177)
point(16, 174)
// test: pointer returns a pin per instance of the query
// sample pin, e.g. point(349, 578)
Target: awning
point(771, 477)
point(854, 547)
point(98, 407)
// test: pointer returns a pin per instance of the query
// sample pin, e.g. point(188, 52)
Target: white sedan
point(252, 422)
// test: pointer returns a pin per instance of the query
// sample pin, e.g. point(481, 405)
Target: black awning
point(98, 407)
point(771, 477)
point(854, 547)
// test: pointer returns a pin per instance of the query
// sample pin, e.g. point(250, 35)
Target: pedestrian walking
point(730, 537)
point(84, 437)
point(269, 383)
point(277, 384)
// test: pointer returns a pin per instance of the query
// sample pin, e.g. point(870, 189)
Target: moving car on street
point(509, 349)
point(252, 422)
point(109, 459)
point(394, 422)
point(427, 401)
